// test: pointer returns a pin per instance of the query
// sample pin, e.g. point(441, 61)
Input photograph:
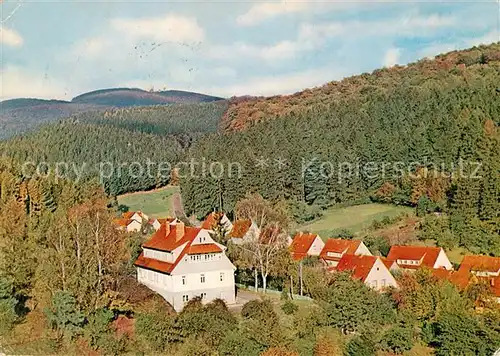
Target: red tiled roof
point(480, 263)
point(301, 243)
point(240, 228)
point(388, 263)
point(122, 222)
point(169, 243)
point(429, 255)
point(359, 265)
point(128, 214)
point(339, 246)
point(203, 248)
point(209, 222)
point(150, 263)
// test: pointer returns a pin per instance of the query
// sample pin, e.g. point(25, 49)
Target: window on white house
point(375, 284)
point(221, 276)
point(383, 283)
point(156, 277)
point(150, 275)
point(202, 278)
point(185, 298)
point(203, 295)
point(183, 280)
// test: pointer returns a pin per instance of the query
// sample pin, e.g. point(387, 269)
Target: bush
point(97, 328)
point(360, 346)
point(157, 330)
point(289, 307)
point(398, 339)
point(8, 304)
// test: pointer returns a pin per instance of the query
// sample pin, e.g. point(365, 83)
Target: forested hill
point(21, 115)
point(245, 112)
point(351, 145)
point(130, 137)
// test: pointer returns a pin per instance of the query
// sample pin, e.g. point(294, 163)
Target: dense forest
point(18, 116)
point(426, 134)
point(122, 141)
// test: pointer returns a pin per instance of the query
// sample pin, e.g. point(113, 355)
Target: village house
point(371, 270)
point(485, 268)
point(131, 221)
point(414, 257)
point(306, 244)
point(180, 263)
point(243, 230)
point(213, 218)
point(335, 249)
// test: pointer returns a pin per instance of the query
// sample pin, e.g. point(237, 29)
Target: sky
point(61, 48)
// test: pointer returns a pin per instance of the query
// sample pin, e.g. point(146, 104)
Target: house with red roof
point(306, 244)
point(243, 230)
point(180, 263)
point(131, 221)
point(371, 270)
point(214, 218)
point(414, 257)
point(484, 268)
point(335, 249)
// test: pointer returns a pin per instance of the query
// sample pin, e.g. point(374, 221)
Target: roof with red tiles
point(339, 246)
point(128, 214)
point(240, 228)
point(165, 239)
point(301, 243)
point(388, 263)
point(122, 222)
point(156, 265)
point(203, 248)
point(427, 254)
point(209, 221)
point(360, 266)
point(480, 263)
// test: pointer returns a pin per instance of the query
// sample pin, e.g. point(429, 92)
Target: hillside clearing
point(156, 203)
point(353, 218)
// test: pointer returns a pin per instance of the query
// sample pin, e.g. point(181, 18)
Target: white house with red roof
point(213, 218)
point(414, 257)
point(371, 270)
point(305, 244)
point(484, 268)
point(180, 263)
point(243, 230)
point(131, 221)
point(335, 249)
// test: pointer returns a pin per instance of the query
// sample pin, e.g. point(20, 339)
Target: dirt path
point(177, 206)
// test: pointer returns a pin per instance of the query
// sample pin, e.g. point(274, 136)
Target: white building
point(180, 263)
point(304, 245)
point(371, 270)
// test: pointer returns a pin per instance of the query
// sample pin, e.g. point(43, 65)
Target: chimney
point(179, 230)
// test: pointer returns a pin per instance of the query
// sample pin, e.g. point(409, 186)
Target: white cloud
point(311, 37)
point(171, 27)
point(261, 11)
point(10, 37)
point(20, 82)
point(444, 47)
point(392, 57)
point(280, 84)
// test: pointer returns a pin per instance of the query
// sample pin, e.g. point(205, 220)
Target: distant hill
point(125, 97)
point(21, 115)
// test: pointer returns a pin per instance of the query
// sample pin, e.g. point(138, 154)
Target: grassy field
point(156, 203)
point(353, 218)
